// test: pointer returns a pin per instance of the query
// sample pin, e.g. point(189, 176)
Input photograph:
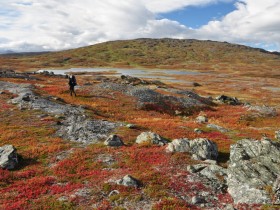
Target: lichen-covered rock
point(114, 141)
point(152, 138)
point(128, 181)
point(253, 169)
point(200, 148)
point(8, 157)
point(80, 128)
point(203, 149)
point(216, 176)
point(179, 145)
point(217, 127)
point(276, 190)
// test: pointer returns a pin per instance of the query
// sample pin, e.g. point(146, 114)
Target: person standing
point(72, 83)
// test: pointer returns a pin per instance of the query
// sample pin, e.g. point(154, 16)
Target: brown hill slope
point(153, 53)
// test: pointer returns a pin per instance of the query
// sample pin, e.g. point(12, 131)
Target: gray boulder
point(152, 138)
point(114, 141)
point(200, 148)
point(8, 157)
point(201, 119)
point(227, 100)
point(253, 169)
point(179, 145)
point(128, 181)
point(203, 149)
point(217, 127)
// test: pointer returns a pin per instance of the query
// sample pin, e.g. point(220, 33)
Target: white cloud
point(254, 22)
point(163, 6)
point(35, 25)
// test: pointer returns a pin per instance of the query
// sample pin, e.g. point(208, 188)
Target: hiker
point(72, 83)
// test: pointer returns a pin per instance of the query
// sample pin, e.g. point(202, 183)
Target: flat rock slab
point(75, 126)
point(253, 169)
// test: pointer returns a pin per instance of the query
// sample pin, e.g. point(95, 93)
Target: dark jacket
point(72, 81)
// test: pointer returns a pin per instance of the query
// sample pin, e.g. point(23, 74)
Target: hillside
point(154, 53)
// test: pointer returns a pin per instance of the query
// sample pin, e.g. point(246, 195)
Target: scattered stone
point(253, 169)
point(152, 138)
point(217, 127)
point(200, 148)
point(198, 131)
point(128, 181)
point(201, 119)
point(131, 126)
point(277, 135)
point(228, 100)
point(197, 200)
point(114, 141)
point(8, 157)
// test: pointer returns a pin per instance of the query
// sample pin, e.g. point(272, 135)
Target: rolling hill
point(153, 53)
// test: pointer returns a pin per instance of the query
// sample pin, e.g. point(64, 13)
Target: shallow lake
point(162, 74)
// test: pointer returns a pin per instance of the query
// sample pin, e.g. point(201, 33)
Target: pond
point(167, 75)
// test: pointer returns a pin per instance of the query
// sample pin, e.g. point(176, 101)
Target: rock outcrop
point(75, 124)
point(114, 141)
point(227, 100)
point(253, 170)
point(200, 148)
point(8, 157)
point(184, 103)
point(151, 138)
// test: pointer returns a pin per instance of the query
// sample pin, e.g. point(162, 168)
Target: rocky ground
point(127, 143)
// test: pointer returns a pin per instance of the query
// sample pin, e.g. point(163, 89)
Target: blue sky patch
point(196, 16)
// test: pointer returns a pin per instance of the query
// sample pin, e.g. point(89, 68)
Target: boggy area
point(129, 143)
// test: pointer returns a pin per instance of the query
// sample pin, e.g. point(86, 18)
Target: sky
point(36, 25)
